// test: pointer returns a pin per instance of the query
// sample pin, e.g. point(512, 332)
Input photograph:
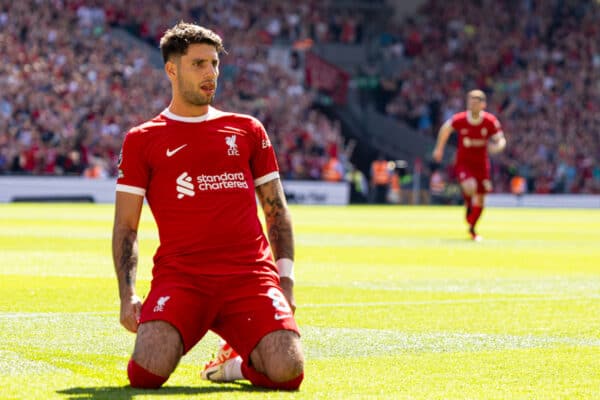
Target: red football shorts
point(242, 309)
point(481, 176)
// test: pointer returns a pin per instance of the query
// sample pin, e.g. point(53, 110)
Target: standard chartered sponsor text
point(226, 180)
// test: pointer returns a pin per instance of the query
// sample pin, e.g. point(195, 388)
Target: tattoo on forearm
point(128, 258)
point(279, 227)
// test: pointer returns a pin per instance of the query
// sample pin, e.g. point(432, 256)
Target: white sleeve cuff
point(131, 189)
point(266, 178)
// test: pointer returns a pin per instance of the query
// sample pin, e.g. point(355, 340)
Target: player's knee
point(469, 187)
point(280, 358)
point(288, 366)
point(141, 378)
point(285, 370)
point(158, 347)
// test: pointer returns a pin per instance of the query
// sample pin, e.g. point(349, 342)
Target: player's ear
point(171, 69)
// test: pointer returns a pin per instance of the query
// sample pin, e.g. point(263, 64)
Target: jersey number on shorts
point(280, 303)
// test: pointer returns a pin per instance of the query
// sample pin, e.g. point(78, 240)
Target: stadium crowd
point(539, 60)
point(69, 89)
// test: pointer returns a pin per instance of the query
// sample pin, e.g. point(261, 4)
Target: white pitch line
point(9, 315)
point(347, 342)
point(450, 301)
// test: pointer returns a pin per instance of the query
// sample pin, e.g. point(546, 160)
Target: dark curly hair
point(176, 40)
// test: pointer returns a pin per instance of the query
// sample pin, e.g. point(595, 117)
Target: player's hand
point(496, 146)
point(130, 312)
point(437, 154)
point(287, 285)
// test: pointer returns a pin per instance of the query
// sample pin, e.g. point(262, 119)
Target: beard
point(194, 96)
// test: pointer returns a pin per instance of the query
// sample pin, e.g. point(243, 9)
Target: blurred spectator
point(437, 185)
point(69, 89)
point(359, 187)
point(539, 61)
point(64, 79)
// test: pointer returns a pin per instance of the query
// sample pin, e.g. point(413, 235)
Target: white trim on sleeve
point(499, 133)
point(266, 178)
point(131, 189)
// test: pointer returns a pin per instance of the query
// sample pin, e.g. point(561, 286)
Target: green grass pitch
point(393, 302)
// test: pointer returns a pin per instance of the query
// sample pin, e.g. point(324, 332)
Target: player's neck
point(188, 110)
point(474, 117)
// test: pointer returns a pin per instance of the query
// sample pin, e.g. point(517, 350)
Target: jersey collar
point(209, 115)
point(474, 121)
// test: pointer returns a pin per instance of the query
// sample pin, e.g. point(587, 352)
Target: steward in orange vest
point(333, 171)
point(380, 179)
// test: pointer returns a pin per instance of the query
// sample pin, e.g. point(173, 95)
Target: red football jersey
point(473, 136)
point(199, 176)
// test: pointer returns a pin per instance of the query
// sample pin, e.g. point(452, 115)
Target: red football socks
point(141, 378)
point(474, 215)
point(259, 379)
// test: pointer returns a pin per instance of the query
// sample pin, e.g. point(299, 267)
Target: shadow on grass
point(127, 392)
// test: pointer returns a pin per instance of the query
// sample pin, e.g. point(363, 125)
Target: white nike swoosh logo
point(282, 316)
point(171, 152)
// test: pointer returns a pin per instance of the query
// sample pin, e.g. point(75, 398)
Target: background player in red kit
point(200, 170)
point(479, 132)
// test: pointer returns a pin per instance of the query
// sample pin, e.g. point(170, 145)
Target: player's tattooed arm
point(128, 209)
point(124, 241)
point(279, 230)
point(277, 218)
point(125, 252)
